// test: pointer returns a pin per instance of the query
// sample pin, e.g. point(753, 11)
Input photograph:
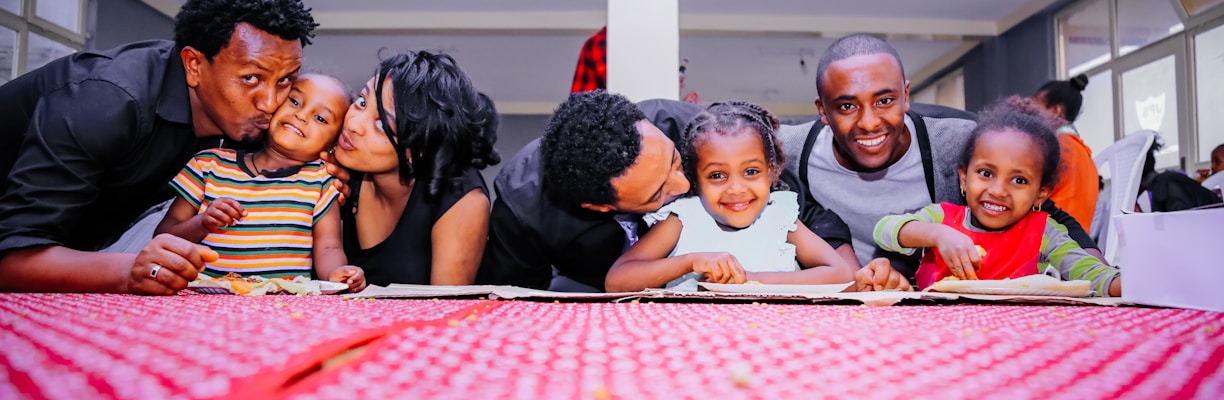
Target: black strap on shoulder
point(924, 148)
point(808, 143)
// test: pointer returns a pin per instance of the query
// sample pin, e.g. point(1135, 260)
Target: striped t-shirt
point(275, 238)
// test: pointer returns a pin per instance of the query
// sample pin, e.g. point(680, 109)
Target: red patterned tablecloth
point(84, 346)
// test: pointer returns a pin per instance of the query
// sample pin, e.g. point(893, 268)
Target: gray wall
point(1017, 62)
point(115, 22)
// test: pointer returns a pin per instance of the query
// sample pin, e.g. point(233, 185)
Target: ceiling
point(523, 52)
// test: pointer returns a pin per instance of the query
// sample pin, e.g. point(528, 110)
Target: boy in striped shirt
point(270, 213)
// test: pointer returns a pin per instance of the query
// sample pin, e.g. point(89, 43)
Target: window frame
point(29, 22)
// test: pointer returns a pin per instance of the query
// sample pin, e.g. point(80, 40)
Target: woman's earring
point(1036, 207)
point(963, 192)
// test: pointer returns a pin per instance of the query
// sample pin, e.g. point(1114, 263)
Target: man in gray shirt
point(871, 154)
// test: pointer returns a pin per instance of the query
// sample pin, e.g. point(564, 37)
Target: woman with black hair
point(414, 141)
point(1078, 184)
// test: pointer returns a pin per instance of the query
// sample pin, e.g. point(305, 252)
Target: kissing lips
point(344, 143)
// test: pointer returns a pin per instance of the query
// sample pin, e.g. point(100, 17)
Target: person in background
point(1216, 179)
point(1007, 170)
point(1079, 183)
point(1171, 190)
point(592, 70)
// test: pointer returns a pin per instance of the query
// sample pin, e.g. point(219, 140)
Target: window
point(1149, 102)
point(1209, 60)
point(1085, 37)
point(1096, 122)
point(1142, 22)
point(1151, 65)
point(35, 32)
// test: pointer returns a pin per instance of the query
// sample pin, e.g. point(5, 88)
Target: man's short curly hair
point(589, 141)
point(206, 25)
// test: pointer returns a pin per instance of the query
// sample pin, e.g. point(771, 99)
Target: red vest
point(1010, 253)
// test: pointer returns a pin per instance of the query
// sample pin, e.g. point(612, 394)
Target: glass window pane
point(13, 6)
point(43, 51)
point(1141, 22)
point(1096, 120)
point(65, 13)
point(1085, 38)
point(1149, 101)
point(1209, 60)
point(8, 48)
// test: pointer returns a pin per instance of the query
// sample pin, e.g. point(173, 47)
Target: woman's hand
point(718, 267)
point(959, 252)
point(341, 174)
point(223, 212)
point(879, 275)
point(352, 275)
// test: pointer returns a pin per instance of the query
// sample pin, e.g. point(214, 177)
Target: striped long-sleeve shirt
point(1058, 250)
point(276, 238)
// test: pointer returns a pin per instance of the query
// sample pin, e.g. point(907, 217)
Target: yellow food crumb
point(781, 311)
point(471, 317)
point(756, 303)
point(1210, 329)
point(435, 300)
point(752, 325)
point(809, 332)
point(279, 305)
point(741, 375)
point(968, 331)
point(1032, 324)
point(453, 322)
point(602, 393)
point(770, 323)
point(722, 318)
point(635, 301)
point(1062, 315)
point(858, 315)
point(295, 315)
point(1091, 332)
point(981, 251)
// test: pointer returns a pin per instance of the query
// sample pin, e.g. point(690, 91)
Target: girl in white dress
point(741, 226)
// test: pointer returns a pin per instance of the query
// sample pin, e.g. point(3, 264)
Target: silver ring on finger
point(153, 272)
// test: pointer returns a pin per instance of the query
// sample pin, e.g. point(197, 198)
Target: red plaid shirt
point(592, 70)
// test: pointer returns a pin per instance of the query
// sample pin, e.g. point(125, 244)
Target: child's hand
point(353, 275)
point(959, 252)
point(879, 275)
point(221, 213)
point(718, 267)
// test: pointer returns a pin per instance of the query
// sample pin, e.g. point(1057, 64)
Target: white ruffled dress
point(761, 247)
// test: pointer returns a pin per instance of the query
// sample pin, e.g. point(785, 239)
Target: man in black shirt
point(573, 199)
point(89, 141)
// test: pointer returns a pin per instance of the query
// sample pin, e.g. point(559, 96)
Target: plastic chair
point(1125, 158)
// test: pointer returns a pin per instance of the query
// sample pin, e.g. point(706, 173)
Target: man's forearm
point(60, 269)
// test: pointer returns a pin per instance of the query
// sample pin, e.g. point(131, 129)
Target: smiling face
point(309, 121)
point(863, 100)
point(363, 144)
point(1003, 180)
point(237, 92)
point(733, 177)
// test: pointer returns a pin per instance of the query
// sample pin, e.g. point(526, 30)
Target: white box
point(1173, 259)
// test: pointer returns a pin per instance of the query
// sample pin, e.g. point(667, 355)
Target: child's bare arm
point(184, 221)
point(647, 265)
point(330, 262)
point(957, 250)
point(820, 262)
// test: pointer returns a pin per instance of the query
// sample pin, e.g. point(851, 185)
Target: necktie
point(629, 223)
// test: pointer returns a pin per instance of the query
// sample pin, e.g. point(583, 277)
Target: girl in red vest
point(1009, 167)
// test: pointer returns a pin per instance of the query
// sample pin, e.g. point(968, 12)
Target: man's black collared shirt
point(88, 142)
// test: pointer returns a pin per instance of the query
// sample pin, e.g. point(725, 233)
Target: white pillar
point(644, 49)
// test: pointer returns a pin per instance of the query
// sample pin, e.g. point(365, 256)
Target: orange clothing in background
point(1078, 183)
